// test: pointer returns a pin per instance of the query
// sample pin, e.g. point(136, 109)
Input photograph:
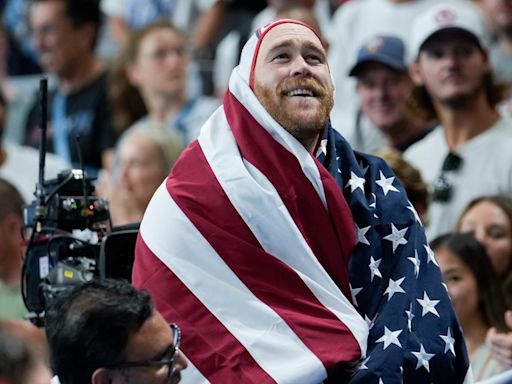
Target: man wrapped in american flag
point(283, 267)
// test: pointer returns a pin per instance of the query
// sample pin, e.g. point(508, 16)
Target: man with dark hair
point(286, 267)
point(64, 34)
point(105, 331)
point(468, 154)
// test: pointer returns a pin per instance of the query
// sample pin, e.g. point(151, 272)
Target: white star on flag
point(363, 364)
point(370, 322)
point(354, 292)
point(449, 340)
point(355, 182)
point(390, 337)
point(365, 169)
point(394, 287)
point(374, 268)
point(396, 236)
point(429, 306)
point(423, 358)
point(374, 204)
point(386, 184)
point(411, 208)
point(410, 316)
point(360, 235)
point(430, 255)
point(416, 262)
point(322, 148)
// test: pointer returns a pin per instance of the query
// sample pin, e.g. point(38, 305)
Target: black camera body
point(67, 225)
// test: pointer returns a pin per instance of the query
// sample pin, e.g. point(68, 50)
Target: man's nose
point(300, 67)
point(182, 363)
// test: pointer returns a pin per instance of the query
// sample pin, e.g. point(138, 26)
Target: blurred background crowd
point(135, 80)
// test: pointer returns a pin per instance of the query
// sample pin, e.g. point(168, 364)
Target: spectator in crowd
point(489, 219)
point(410, 177)
point(352, 25)
point(19, 165)
point(64, 34)
point(383, 85)
point(468, 154)
point(248, 215)
point(22, 354)
point(476, 296)
point(20, 57)
point(107, 332)
point(500, 51)
point(156, 64)
point(224, 23)
point(11, 252)
point(143, 158)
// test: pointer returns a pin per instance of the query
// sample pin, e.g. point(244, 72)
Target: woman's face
point(140, 168)
point(490, 225)
point(161, 64)
point(461, 283)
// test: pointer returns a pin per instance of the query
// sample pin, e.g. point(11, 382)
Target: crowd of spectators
point(426, 84)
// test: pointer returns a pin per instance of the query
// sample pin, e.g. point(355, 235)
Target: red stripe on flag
point(213, 350)
point(330, 236)
point(195, 189)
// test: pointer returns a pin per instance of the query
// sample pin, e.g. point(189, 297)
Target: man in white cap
point(284, 267)
point(468, 154)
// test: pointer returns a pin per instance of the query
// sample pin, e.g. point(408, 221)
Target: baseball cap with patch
point(443, 16)
point(388, 50)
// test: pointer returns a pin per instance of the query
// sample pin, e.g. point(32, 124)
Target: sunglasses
point(442, 188)
point(170, 359)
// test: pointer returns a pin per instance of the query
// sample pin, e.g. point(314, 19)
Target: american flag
point(284, 268)
point(395, 280)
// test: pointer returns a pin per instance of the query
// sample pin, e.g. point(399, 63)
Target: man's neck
point(162, 109)
point(83, 73)
point(461, 125)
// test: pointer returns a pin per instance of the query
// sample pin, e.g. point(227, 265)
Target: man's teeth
point(300, 92)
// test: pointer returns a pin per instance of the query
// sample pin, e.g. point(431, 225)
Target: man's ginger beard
point(300, 128)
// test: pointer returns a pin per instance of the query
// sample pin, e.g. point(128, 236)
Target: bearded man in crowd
point(284, 255)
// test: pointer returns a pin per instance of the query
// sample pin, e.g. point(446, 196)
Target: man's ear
point(102, 376)
point(415, 73)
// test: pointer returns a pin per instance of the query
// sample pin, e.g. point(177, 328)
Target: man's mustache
point(288, 85)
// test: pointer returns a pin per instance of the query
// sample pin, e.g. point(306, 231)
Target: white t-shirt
point(486, 170)
point(21, 168)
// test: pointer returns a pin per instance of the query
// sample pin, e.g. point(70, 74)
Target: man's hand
point(501, 343)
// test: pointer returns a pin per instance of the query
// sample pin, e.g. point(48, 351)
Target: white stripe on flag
point(275, 347)
point(191, 375)
point(260, 206)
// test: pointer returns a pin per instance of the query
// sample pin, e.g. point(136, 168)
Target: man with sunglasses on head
point(468, 154)
point(106, 331)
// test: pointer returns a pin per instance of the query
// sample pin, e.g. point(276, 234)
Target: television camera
point(69, 233)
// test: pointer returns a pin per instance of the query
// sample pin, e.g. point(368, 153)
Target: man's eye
point(435, 53)
point(281, 56)
point(313, 58)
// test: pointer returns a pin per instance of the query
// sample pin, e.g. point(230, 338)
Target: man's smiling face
point(292, 80)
